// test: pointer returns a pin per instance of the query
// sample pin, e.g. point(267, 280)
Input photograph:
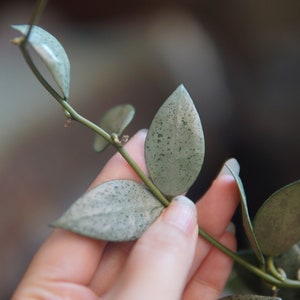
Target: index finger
point(66, 256)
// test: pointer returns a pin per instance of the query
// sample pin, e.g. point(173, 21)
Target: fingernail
point(144, 130)
point(233, 164)
point(230, 228)
point(182, 214)
point(142, 133)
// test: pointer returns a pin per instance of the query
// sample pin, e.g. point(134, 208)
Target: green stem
point(267, 277)
point(287, 283)
point(77, 117)
point(40, 5)
point(155, 191)
point(36, 72)
point(72, 113)
point(273, 270)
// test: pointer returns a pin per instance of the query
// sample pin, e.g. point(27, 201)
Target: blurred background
point(239, 60)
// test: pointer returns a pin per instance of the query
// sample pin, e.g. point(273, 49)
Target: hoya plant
point(121, 210)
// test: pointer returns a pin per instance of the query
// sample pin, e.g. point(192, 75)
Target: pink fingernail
point(182, 214)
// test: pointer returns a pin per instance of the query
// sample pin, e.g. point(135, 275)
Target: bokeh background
point(240, 61)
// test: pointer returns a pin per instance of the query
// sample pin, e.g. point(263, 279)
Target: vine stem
point(77, 117)
point(71, 113)
point(156, 192)
point(40, 5)
point(287, 283)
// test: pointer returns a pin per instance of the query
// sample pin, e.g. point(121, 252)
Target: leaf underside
point(245, 214)
point(174, 147)
point(118, 210)
point(52, 54)
point(115, 120)
point(277, 222)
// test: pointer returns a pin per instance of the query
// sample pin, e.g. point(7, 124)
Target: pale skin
point(169, 262)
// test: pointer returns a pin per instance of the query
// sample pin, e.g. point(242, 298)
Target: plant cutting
point(121, 210)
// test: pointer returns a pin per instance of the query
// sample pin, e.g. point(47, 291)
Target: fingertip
point(219, 203)
point(231, 165)
point(142, 132)
point(182, 214)
point(231, 228)
point(139, 136)
point(226, 183)
point(165, 250)
point(225, 178)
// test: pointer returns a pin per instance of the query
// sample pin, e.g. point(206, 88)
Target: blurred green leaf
point(114, 120)
point(118, 210)
point(52, 54)
point(174, 148)
point(249, 297)
point(289, 262)
point(277, 222)
point(245, 214)
point(241, 280)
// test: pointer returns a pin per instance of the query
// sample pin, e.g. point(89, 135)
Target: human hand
point(168, 262)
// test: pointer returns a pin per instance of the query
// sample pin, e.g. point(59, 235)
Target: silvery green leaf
point(118, 210)
point(277, 222)
point(231, 165)
point(52, 54)
point(249, 297)
point(174, 147)
point(114, 120)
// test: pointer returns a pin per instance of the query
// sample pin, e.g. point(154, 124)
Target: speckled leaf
point(52, 54)
point(114, 120)
point(249, 297)
point(174, 148)
point(277, 222)
point(118, 210)
point(245, 214)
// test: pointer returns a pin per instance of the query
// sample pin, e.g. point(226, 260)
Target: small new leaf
point(174, 147)
point(118, 210)
point(51, 52)
point(115, 121)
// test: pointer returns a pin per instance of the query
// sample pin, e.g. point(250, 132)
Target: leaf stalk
point(282, 283)
point(274, 278)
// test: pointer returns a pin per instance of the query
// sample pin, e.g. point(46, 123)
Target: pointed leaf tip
point(174, 147)
point(52, 54)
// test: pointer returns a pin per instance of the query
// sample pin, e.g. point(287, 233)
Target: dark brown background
point(240, 61)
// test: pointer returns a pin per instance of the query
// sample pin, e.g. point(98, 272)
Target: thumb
point(160, 261)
